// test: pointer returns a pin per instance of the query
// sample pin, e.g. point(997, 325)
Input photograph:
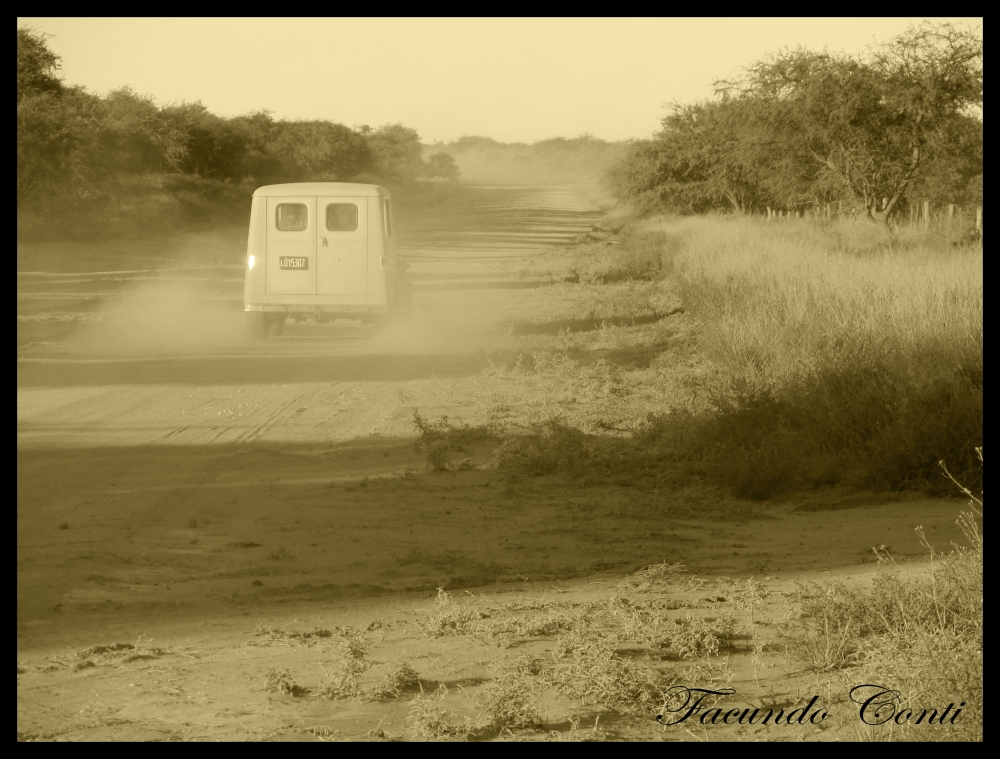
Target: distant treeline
point(73, 144)
point(876, 133)
point(584, 159)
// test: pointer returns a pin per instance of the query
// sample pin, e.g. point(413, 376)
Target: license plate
point(293, 262)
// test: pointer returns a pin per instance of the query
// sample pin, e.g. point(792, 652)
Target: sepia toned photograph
point(500, 379)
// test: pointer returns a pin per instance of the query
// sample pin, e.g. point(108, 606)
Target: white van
point(322, 251)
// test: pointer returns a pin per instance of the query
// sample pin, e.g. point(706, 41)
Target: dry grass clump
point(642, 256)
point(823, 354)
point(281, 681)
point(504, 633)
point(587, 666)
point(120, 653)
point(922, 638)
point(440, 440)
point(509, 700)
point(399, 680)
point(450, 618)
point(341, 679)
point(429, 720)
point(844, 352)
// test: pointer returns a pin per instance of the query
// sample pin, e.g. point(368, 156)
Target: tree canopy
point(800, 128)
point(67, 137)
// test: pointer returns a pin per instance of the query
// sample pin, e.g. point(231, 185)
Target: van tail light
point(250, 262)
point(382, 262)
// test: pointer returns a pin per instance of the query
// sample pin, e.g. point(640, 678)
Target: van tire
point(278, 320)
point(257, 326)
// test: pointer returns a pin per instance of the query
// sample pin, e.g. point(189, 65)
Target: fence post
point(927, 214)
point(979, 221)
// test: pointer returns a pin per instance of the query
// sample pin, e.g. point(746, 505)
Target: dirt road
point(177, 482)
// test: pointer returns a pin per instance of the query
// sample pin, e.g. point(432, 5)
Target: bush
point(827, 353)
point(923, 638)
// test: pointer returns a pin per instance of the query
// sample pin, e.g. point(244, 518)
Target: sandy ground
point(180, 489)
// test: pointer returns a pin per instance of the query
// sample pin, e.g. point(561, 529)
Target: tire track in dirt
point(278, 416)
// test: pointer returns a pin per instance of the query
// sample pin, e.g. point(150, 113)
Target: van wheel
point(279, 323)
point(257, 326)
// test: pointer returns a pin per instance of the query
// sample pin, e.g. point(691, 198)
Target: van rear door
point(291, 246)
point(342, 246)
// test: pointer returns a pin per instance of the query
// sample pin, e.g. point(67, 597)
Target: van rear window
point(292, 217)
point(341, 217)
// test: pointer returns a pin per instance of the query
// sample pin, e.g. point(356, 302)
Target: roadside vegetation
point(870, 135)
point(621, 655)
point(618, 654)
point(95, 166)
point(760, 358)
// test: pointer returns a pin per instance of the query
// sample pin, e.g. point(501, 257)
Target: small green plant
point(493, 407)
point(654, 574)
point(587, 666)
point(757, 656)
point(429, 720)
point(697, 637)
point(504, 633)
point(281, 681)
point(450, 618)
point(341, 680)
point(400, 679)
point(825, 642)
point(439, 440)
point(509, 700)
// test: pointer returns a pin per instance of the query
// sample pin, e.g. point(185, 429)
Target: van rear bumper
point(345, 309)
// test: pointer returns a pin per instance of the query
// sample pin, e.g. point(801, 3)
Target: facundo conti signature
point(877, 708)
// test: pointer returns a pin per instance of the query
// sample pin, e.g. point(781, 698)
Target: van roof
point(334, 189)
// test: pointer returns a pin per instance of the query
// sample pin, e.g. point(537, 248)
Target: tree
point(47, 143)
point(318, 150)
point(135, 137)
point(36, 65)
point(710, 156)
point(50, 129)
point(204, 144)
point(441, 165)
point(655, 175)
point(396, 152)
point(257, 130)
point(953, 171)
point(870, 124)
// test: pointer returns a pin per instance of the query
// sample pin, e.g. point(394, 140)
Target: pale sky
point(510, 79)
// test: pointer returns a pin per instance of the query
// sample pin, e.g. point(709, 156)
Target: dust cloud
point(582, 162)
point(164, 317)
point(434, 332)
